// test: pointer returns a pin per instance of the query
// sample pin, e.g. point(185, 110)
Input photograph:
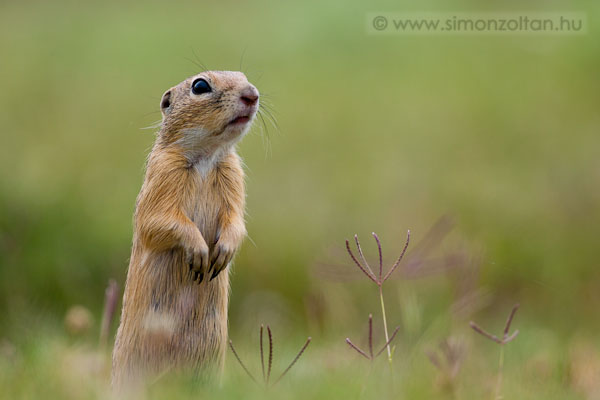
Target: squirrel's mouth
point(242, 119)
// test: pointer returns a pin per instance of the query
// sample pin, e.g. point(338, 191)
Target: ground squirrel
point(188, 224)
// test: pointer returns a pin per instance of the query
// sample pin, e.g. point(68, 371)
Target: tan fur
point(188, 224)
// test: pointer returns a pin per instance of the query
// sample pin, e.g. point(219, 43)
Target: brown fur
point(188, 224)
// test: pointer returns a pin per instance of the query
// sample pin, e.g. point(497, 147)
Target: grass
point(499, 134)
point(59, 367)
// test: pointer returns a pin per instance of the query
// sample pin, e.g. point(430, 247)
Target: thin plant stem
point(380, 256)
point(385, 328)
point(498, 395)
point(367, 273)
point(388, 342)
point(240, 361)
point(485, 333)
point(111, 297)
point(371, 336)
point(391, 271)
point(434, 359)
point(355, 347)
point(267, 374)
point(509, 320)
point(262, 353)
point(362, 256)
point(294, 360)
point(270, 354)
point(511, 337)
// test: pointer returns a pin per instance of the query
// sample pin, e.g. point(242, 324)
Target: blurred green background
point(500, 134)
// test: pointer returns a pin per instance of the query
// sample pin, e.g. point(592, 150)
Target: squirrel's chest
point(204, 207)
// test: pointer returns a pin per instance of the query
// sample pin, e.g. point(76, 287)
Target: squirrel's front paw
point(221, 256)
point(197, 259)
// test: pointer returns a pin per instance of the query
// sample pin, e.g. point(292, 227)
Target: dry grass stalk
point(370, 355)
point(111, 297)
point(267, 374)
point(378, 280)
point(506, 338)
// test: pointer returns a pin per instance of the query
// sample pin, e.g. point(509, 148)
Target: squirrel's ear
point(165, 102)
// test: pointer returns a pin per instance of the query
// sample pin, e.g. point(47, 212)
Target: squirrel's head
point(208, 111)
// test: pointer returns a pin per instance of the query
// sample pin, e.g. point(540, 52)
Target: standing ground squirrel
point(188, 224)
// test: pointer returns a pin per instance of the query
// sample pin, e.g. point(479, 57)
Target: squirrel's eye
point(200, 86)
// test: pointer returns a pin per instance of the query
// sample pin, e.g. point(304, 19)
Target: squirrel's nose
point(249, 96)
